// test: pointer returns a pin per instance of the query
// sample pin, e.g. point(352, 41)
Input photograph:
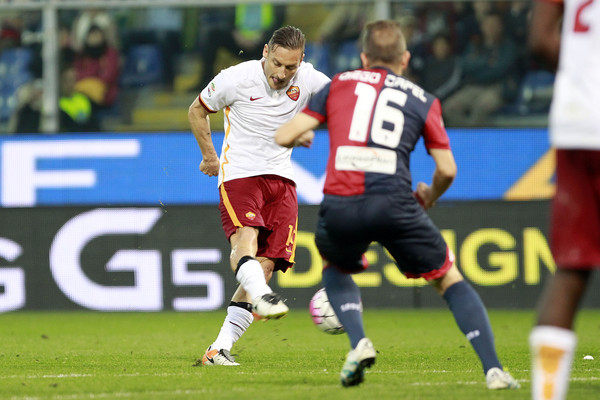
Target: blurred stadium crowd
point(124, 69)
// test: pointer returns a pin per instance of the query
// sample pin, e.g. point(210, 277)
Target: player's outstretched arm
point(443, 176)
point(297, 132)
point(200, 124)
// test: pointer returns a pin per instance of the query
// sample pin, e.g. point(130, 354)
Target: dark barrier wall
point(176, 258)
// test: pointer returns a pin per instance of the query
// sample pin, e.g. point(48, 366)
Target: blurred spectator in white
point(489, 74)
point(94, 17)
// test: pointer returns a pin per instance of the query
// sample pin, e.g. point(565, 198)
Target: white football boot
point(361, 357)
point(498, 379)
point(269, 306)
point(218, 357)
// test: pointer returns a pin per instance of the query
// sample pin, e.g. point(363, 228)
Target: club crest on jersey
point(250, 215)
point(293, 93)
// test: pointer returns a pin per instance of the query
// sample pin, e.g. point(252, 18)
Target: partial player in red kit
point(566, 34)
point(375, 118)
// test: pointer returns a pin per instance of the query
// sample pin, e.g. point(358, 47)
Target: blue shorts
point(347, 226)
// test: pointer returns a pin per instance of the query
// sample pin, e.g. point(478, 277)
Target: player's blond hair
point(383, 41)
point(288, 37)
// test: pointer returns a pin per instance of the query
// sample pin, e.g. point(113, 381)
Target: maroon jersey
point(375, 119)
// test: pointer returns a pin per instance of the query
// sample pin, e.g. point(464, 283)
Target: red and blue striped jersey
point(375, 119)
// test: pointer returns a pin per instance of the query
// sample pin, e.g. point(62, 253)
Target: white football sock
point(235, 324)
point(552, 351)
point(252, 278)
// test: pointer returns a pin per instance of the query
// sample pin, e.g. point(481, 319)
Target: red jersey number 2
point(581, 26)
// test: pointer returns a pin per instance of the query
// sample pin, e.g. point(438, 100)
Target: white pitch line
point(114, 395)
point(66, 376)
point(445, 383)
point(105, 395)
point(58, 376)
point(577, 379)
point(205, 391)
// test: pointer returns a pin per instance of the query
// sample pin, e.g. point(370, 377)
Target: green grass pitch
point(421, 355)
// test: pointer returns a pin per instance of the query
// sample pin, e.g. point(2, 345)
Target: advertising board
point(176, 258)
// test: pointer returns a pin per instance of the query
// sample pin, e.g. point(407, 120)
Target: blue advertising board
point(162, 168)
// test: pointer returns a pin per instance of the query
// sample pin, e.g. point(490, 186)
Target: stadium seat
point(347, 57)
point(16, 80)
point(318, 55)
point(15, 60)
point(535, 94)
point(143, 66)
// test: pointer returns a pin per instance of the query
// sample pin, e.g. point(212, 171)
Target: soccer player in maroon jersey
point(375, 118)
point(566, 34)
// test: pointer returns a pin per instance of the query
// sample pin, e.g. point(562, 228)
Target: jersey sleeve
point(317, 106)
point(218, 93)
point(434, 132)
point(317, 80)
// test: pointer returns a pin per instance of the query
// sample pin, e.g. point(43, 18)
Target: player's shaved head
point(289, 37)
point(383, 41)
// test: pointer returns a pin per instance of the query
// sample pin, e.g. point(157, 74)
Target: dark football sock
point(344, 297)
point(472, 319)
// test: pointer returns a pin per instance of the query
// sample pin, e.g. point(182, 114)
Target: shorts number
point(388, 118)
point(291, 235)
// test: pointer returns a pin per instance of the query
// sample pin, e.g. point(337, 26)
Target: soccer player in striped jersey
point(575, 217)
point(258, 204)
point(375, 118)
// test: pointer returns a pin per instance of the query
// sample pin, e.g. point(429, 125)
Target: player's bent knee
point(450, 278)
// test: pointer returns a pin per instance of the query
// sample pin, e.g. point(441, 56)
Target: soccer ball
point(323, 315)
